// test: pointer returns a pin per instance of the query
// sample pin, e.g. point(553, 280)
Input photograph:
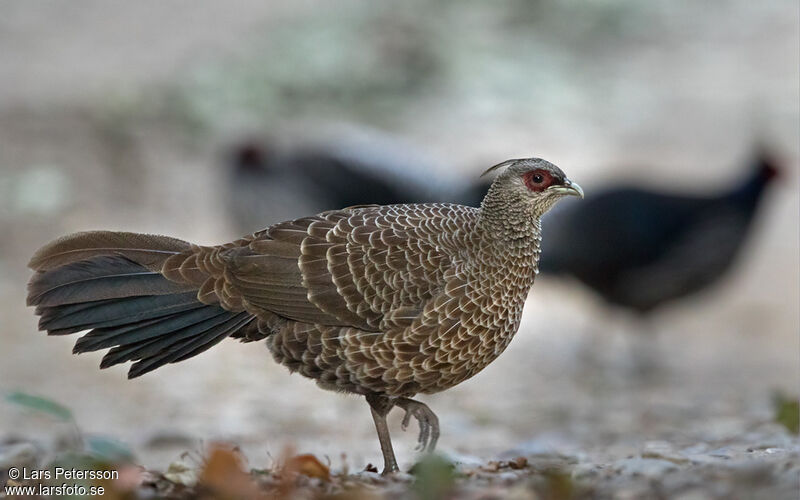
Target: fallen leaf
point(434, 478)
point(492, 466)
point(180, 473)
point(307, 465)
point(224, 476)
point(787, 412)
point(518, 463)
point(130, 477)
point(109, 449)
point(41, 405)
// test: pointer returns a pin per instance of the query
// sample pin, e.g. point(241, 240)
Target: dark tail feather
point(78, 317)
point(128, 306)
point(147, 330)
point(98, 278)
point(192, 346)
point(146, 249)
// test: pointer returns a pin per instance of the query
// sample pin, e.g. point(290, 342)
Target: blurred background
point(174, 117)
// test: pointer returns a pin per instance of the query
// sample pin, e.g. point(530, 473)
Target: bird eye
point(537, 181)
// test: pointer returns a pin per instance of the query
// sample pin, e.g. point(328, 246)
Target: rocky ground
point(722, 469)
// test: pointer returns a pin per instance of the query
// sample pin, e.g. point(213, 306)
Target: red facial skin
point(531, 177)
point(769, 171)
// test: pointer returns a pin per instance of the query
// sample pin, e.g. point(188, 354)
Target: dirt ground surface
point(111, 115)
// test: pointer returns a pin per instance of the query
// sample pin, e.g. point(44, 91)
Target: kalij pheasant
point(639, 248)
point(268, 184)
point(382, 301)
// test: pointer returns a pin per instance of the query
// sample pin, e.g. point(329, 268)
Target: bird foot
point(390, 470)
point(428, 422)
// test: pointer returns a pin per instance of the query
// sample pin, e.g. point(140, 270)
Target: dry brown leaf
point(130, 478)
point(224, 476)
point(308, 465)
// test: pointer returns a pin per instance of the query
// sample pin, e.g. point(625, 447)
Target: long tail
point(112, 284)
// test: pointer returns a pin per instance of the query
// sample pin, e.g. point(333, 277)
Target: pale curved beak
point(568, 188)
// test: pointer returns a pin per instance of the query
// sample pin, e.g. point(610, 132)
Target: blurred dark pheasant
point(383, 301)
point(267, 183)
point(640, 249)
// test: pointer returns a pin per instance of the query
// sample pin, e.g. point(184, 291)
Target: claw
point(406, 420)
point(427, 420)
point(434, 435)
point(424, 432)
point(421, 438)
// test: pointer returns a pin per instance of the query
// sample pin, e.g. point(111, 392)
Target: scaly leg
point(428, 422)
point(380, 406)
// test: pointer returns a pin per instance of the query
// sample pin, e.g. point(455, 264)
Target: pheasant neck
point(749, 191)
point(510, 233)
point(508, 219)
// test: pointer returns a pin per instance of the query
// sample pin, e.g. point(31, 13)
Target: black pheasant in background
point(640, 248)
point(268, 184)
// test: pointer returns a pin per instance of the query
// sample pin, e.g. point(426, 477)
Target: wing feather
point(370, 268)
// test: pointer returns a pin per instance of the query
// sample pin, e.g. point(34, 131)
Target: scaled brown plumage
point(383, 301)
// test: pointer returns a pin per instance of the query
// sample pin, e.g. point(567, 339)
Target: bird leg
point(428, 422)
point(380, 406)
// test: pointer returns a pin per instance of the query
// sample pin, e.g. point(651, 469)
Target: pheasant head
point(522, 193)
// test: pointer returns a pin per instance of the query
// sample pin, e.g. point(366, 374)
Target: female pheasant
point(383, 301)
